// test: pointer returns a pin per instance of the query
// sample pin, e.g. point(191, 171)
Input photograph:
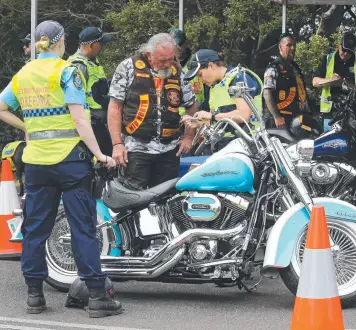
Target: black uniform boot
point(36, 303)
point(101, 304)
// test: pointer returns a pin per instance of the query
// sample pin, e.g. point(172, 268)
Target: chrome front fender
point(284, 234)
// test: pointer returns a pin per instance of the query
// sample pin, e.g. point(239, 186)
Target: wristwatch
point(213, 114)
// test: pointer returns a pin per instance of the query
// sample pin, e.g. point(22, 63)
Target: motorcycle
point(326, 164)
point(217, 224)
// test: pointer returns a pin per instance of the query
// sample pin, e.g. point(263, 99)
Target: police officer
point(184, 56)
point(284, 88)
point(210, 68)
point(91, 43)
point(333, 69)
point(57, 164)
point(27, 46)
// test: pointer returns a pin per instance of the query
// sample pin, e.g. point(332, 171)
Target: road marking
point(19, 327)
point(57, 324)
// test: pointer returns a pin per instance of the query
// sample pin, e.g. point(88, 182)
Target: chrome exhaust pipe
point(186, 237)
point(214, 263)
point(153, 272)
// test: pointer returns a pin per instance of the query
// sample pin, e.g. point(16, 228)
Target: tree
point(135, 24)
point(72, 14)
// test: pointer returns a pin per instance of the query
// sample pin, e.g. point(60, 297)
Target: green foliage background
point(245, 31)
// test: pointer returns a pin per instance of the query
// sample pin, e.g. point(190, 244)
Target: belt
point(58, 134)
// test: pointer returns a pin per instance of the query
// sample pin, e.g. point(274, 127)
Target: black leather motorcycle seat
point(118, 198)
point(282, 134)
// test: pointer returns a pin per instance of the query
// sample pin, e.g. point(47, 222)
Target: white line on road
point(58, 324)
point(20, 327)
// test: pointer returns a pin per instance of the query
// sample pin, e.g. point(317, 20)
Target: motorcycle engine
point(221, 211)
point(318, 173)
point(210, 211)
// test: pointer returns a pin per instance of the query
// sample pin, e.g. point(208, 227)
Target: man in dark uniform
point(284, 88)
point(332, 71)
point(27, 46)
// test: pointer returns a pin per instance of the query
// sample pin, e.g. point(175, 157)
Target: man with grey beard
point(146, 93)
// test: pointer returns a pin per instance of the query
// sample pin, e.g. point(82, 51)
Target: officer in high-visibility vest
point(332, 71)
point(209, 67)
point(184, 56)
point(51, 94)
point(91, 43)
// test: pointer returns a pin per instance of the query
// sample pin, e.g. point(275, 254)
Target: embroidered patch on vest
point(170, 86)
point(282, 95)
point(77, 81)
point(173, 97)
point(196, 87)
point(174, 70)
point(166, 132)
point(173, 109)
point(174, 81)
point(142, 75)
point(140, 64)
point(140, 115)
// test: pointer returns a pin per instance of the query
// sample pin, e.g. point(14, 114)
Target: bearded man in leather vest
point(144, 122)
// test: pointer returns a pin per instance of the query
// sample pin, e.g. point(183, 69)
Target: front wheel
point(62, 269)
point(344, 255)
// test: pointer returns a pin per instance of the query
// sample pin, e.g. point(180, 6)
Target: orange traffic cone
point(8, 202)
point(317, 305)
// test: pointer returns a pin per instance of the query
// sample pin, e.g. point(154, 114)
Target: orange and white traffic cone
point(317, 305)
point(9, 201)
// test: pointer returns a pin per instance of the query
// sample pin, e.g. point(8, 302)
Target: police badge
point(77, 81)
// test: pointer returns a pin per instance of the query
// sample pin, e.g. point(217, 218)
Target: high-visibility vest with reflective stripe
point(37, 86)
point(95, 73)
point(325, 104)
point(220, 97)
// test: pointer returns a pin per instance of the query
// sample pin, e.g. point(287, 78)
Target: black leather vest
point(286, 94)
point(141, 106)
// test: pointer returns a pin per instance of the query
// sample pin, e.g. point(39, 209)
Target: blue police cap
point(94, 34)
point(203, 56)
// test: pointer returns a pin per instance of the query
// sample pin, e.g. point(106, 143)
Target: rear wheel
point(62, 269)
point(344, 255)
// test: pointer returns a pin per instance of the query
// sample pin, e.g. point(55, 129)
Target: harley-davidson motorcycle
point(326, 164)
point(242, 213)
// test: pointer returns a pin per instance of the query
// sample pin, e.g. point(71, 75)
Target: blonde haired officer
point(58, 164)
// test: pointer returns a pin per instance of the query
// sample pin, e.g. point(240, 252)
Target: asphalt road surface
point(156, 306)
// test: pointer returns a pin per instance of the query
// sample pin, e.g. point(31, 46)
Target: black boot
point(36, 303)
point(101, 304)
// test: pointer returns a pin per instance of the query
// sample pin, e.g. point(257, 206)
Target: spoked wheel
point(344, 255)
point(62, 269)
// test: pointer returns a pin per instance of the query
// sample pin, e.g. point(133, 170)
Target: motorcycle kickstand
point(252, 288)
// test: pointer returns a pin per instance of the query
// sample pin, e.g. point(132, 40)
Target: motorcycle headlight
point(305, 150)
